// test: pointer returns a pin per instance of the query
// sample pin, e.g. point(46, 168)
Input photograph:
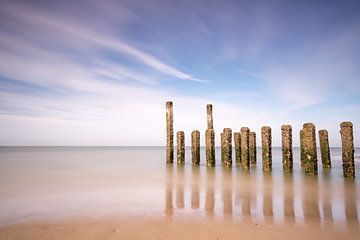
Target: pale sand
point(169, 228)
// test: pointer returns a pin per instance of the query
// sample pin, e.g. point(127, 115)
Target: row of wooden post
point(245, 146)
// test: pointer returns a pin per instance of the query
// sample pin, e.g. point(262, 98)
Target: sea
point(47, 183)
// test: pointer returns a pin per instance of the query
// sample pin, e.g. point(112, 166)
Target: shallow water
point(61, 182)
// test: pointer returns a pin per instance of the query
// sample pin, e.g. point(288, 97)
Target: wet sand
point(117, 193)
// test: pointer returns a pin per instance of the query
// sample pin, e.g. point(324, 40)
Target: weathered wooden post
point(195, 148)
point(180, 149)
point(324, 148)
point(169, 133)
point(347, 140)
point(221, 147)
point(210, 138)
point(252, 148)
point(245, 161)
point(227, 147)
point(210, 147)
point(209, 111)
point(287, 153)
point(302, 156)
point(310, 152)
point(237, 143)
point(266, 148)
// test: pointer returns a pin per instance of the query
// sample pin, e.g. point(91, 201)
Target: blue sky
point(99, 72)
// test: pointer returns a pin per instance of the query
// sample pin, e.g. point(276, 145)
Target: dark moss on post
point(245, 160)
point(302, 156)
point(209, 110)
point(227, 147)
point(266, 148)
point(180, 148)
point(310, 153)
point(210, 147)
point(195, 148)
point(347, 140)
point(324, 148)
point(287, 153)
point(252, 148)
point(169, 133)
point(237, 143)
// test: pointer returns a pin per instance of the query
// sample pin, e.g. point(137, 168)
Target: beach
point(131, 193)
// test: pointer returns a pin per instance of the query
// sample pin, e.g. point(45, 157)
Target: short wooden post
point(252, 148)
point(245, 161)
point(324, 148)
point(347, 140)
point(180, 150)
point(287, 153)
point(266, 148)
point(195, 148)
point(310, 151)
point(237, 143)
point(169, 133)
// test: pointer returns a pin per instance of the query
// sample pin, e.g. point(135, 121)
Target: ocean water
point(44, 183)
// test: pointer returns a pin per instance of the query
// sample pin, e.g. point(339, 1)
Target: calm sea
point(61, 182)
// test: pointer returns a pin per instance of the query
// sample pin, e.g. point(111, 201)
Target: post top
point(227, 129)
point(195, 131)
point(286, 127)
point(244, 129)
point(323, 131)
point(306, 125)
point(169, 103)
point(346, 124)
point(263, 128)
point(252, 133)
point(180, 132)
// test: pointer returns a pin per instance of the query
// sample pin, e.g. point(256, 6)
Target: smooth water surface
point(61, 182)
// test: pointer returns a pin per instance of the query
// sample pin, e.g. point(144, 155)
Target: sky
point(99, 72)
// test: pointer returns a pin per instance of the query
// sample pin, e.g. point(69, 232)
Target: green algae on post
point(347, 140)
point(266, 148)
point(287, 153)
point(195, 147)
point(245, 161)
point(324, 148)
point(310, 152)
point(169, 133)
point(180, 150)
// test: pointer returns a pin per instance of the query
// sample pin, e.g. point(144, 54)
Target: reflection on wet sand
point(233, 194)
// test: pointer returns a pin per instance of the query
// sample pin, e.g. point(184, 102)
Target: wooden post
point(209, 111)
point(287, 153)
point(245, 161)
point(324, 148)
point(195, 148)
point(169, 133)
point(266, 148)
point(180, 150)
point(302, 156)
point(252, 148)
point(347, 140)
point(237, 143)
point(210, 147)
point(310, 151)
point(227, 147)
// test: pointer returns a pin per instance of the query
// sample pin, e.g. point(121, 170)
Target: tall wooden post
point(169, 133)
point(347, 140)
point(195, 148)
point(287, 153)
point(210, 138)
point(324, 148)
point(266, 148)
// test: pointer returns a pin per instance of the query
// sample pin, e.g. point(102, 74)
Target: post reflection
point(301, 199)
point(288, 193)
